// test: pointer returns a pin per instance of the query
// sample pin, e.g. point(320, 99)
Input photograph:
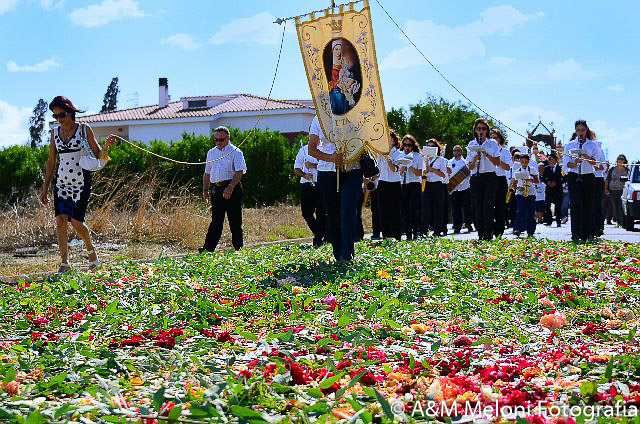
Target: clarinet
point(580, 165)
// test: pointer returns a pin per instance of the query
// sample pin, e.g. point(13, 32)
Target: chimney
point(163, 92)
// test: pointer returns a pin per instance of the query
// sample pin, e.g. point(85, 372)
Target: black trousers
point(376, 225)
point(598, 216)
point(512, 208)
point(220, 206)
point(554, 196)
point(432, 208)
point(445, 208)
point(483, 189)
point(390, 201)
point(461, 206)
point(313, 210)
point(581, 193)
point(410, 198)
point(500, 211)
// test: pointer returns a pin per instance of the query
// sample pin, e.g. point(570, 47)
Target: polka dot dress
point(73, 184)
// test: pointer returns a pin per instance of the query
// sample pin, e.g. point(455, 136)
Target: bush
point(21, 169)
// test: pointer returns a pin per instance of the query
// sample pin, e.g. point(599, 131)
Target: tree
point(36, 123)
point(448, 122)
point(110, 102)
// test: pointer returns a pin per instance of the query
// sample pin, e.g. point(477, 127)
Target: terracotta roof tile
point(174, 110)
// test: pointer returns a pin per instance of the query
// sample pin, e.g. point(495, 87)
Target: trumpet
point(369, 186)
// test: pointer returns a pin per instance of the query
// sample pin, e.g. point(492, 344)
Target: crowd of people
point(413, 192)
point(493, 188)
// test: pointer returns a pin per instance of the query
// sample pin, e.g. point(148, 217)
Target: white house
point(168, 120)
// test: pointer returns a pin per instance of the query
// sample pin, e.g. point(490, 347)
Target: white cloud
point(51, 4)
point(109, 10)
point(442, 44)
point(14, 124)
point(7, 5)
point(568, 70)
point(519, 118)
point(43, 66)
point(501, 60)
point(183, 41)
point(616, 88)
point(254, 29)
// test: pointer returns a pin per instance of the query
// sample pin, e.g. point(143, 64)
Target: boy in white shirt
point(525, 197)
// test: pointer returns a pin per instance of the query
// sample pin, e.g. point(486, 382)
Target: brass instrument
point(368, 188)
point(511, 189)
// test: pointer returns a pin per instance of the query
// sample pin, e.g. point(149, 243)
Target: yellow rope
point(264, 108)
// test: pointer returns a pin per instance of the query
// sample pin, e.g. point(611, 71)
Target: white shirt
point(456, 165)
point(540, 191)
point(485, 164)
point(386, 173)
point(600, 158)
point(533, 170)
point(418, 164)
point(301, 158)
point(445, 180)
point(589, 147)
point(438, 163)
point(224, 169)
point(324, 146)
point(505, 157)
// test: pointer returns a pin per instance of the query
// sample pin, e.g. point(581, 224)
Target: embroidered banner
point(340, 60)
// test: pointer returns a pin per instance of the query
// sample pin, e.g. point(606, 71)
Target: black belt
point(222, 183)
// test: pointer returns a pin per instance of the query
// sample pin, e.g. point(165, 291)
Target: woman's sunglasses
point(60, 115)
point(407, 145)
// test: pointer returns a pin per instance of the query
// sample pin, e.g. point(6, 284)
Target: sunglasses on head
point(60, 115)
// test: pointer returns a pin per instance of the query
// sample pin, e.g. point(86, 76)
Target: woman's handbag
point(88, 160)
point(368, 165)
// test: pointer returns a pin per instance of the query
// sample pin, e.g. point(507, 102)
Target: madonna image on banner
point(342, 69)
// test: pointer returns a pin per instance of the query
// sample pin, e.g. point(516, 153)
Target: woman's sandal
point(93, 264)
point(64, 267)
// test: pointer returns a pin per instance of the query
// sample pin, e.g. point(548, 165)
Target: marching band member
point(599, 173)
point(502, 184)
point(221, 184)
point(460, 196)
point(483, 177)
point(433, 196)
point(306, 167)
point(552, 177)
point(540, 195)
point(581, 180)
point(340, 203)
point(445, 182)
point(526, 197)
point(511, 205)
point(411, 189)
point(390, 191)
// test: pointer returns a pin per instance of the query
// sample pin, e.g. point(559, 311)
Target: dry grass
point(144, 221)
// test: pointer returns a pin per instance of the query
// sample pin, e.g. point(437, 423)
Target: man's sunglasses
point(60, 115)
point(219, 139)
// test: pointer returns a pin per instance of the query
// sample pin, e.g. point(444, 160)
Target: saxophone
point(511, 189)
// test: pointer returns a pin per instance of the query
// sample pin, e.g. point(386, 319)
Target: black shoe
point(548, 224)
point(558, 225)
point(376, 237)
point(609, 222)
point(456, 231)
point(470, 228)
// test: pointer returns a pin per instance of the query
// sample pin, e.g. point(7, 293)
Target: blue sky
point(518, 60)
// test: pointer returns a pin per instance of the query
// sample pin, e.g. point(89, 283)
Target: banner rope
point(264, 108)
point(435, 68)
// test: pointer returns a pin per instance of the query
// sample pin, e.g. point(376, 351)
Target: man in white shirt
point(460, 197)
point(482, 158)
point(306, 167)
point(581, 181)
point(340, 202)
point(411, 187)
point(526, 196)
point(221, 184)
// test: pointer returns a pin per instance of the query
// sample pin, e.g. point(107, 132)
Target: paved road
point(611, 232)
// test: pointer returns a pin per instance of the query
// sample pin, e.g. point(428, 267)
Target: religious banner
point(340, 60)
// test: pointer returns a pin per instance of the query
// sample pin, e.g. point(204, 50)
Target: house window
point(193, 104)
